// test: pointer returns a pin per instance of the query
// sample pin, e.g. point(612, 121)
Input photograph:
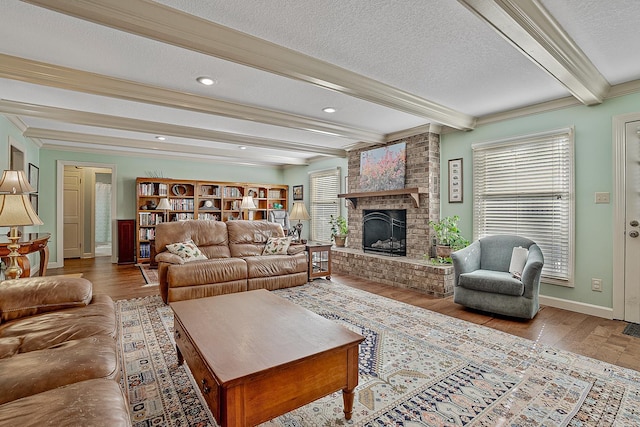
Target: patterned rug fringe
point(417, 368)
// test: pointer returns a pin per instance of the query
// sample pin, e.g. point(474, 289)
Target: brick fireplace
point(410, 271)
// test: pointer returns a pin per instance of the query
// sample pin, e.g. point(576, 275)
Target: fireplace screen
point(385, 231)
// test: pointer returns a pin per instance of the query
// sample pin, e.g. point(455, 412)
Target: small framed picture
point(298, 193)
point(346, 190)
point(33, 198)
point(34, 176)
point(455, 181)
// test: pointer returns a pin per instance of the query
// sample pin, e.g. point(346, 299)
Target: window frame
point(567, 186)
point(321, 206)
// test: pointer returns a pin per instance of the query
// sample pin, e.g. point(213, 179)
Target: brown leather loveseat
point(58, 356)
point(234, 259)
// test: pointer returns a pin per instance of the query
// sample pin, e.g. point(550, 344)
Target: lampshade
point(15, 209)
point(164, 205)
point(247, 203)
point(299, 212)
point(15, 182)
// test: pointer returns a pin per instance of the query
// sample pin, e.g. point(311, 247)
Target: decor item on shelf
point(299, 212)
point(448, 237)
point(164, 206)
point(151, 205)
point(247, 205)
point(339, 230)
point(179, 190)
point(208, 204)
point(16, 210)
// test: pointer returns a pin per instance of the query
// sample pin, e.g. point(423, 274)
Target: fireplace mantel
point(413, 192)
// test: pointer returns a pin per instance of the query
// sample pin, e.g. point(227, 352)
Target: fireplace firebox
point(384, 231)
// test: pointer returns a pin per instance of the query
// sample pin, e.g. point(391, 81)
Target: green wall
point(593, 172)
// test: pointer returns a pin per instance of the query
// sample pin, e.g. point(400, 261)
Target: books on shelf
point(274, 194)
point(150, 218)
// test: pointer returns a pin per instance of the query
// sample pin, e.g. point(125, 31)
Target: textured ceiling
point(435, 53)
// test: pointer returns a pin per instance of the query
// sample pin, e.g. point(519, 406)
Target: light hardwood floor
point(587, 335)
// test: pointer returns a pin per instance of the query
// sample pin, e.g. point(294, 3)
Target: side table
point(319, 260)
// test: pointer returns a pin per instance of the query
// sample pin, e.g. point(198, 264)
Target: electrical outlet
point(596, 285)
point(602, 197)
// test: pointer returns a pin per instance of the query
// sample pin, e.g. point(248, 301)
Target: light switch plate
point(602, 197)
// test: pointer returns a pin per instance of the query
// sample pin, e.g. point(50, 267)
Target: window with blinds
point(324, 189)
point(525, 187)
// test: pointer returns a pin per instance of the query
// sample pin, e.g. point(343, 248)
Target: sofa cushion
point(48, 329)
point(96, 402)
point(66, 363)
point(248, 238)
point(277, 246)
point(207, 271)
point(500, 282)
point(188, 251)
point(30, 296)
point(209, 236)
point(275, 265)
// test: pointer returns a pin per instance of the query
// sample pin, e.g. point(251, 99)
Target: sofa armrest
point(34, 295)
point(532, 271)
point(169, 258)
point(466, 260)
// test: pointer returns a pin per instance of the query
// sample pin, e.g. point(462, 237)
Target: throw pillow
point(187, 251)
point(519, 257)
point(277, 246)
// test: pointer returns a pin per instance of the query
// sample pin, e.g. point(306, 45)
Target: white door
point(632, 224)
point(72, 213)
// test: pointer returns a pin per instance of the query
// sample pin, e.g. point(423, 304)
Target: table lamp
point(247, 204)
point(15, 182)
point(164, 206)
point(16, 210)
point(299, 212)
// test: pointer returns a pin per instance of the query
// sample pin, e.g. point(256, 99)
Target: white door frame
point(619, 204)
point(60, 208)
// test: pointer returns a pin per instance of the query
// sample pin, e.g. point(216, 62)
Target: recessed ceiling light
point(207, 81)
point(160, 138)
point(242, 147)
point(329, 110)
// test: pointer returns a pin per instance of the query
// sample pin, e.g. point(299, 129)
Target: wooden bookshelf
point(194, 199)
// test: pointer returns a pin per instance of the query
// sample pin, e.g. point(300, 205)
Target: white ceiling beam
point(157, 128)
point(91, 139)
point(41, 73)
point(168, 25)
point(529, 27)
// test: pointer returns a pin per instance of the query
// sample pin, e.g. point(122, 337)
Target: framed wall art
point(34, 176)
point(455, 181)
point(298, 192)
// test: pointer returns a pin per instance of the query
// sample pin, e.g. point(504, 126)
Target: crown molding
point(84, 138)
point(428, 128)
point(22, 127)
point(150, 154)
point(29, 71)
point(136, 125)
point(168, 25)
point(530, 28)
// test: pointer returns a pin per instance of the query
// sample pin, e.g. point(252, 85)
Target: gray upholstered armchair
point(483, 281)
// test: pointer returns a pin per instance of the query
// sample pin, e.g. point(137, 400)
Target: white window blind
point(525, 187)
point(325, 186)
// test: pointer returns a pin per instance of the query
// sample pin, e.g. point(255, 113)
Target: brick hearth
point(412, 271)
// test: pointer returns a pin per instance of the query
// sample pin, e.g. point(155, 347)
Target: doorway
point(626, 242)
point(86, 210)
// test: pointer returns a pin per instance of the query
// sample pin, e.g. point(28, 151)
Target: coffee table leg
point(347, 398)
point(348, 393)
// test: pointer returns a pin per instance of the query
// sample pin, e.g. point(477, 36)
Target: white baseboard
point(578, 307)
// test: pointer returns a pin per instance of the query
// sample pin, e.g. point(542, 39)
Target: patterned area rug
point(150, 274)
point(417, 368)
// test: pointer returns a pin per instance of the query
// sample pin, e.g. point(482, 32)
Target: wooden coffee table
point(256, 355)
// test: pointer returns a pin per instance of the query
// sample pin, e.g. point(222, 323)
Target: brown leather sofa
point(58, 356)
point(234, 259)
